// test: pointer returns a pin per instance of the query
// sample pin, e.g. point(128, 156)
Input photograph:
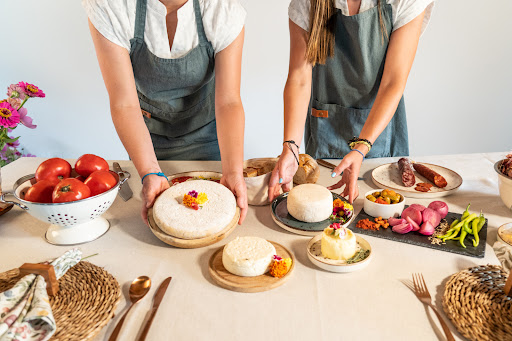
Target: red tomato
point(70, 189)
point(40, 192)
point(81, 178)
point(100, 181)
point(88, 163)
point(54, 170)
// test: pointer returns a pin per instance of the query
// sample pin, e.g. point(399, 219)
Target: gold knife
point(160, 292)
point(326, 164)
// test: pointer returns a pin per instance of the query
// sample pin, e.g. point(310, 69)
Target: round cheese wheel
point(310, 203)
point(341, 247)
point(181, 221)
point(248, 256)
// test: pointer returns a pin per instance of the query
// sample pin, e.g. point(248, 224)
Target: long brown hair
point(320, 43)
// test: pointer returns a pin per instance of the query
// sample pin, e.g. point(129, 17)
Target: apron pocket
point(329, 135)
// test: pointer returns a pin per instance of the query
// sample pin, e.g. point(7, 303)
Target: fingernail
point(333, 174)
point(280, 180)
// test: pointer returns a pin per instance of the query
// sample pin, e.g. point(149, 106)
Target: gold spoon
point(138, 289)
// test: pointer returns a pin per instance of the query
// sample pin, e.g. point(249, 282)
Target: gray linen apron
point(345, 87)
point(177, 96)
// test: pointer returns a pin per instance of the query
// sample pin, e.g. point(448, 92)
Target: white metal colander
point(73, 222)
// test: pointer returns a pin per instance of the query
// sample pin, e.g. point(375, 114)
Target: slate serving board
point(418, 239)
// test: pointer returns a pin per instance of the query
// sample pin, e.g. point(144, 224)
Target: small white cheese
point(248, 256)
point(310, 203)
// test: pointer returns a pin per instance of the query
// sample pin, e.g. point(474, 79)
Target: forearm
point(296, 102)
point(135, 137)
point(230, 131)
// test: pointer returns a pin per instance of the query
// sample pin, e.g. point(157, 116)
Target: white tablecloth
point(372, 304)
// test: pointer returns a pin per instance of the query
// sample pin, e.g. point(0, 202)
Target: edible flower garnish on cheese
point(194, 199)
point(280, 266)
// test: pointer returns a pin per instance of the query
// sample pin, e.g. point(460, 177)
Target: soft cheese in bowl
point(310, 203)
point(248, 256)
point(338, 243)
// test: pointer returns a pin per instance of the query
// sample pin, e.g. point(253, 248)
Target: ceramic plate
point(388, 176)
point(286, 221)
point(340, 266)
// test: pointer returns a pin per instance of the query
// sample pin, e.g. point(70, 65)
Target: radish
point(427, 228)
point(413, 213)
point(396, 221)
point(415, 226)
point(440, 207)
point(402, 228)
point(417, 207)
point(431, 216)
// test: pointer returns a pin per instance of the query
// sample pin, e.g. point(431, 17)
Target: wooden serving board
point(265, 282)
point(418, 239)
point(192, 243)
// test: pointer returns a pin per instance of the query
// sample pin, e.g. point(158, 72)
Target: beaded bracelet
point(159, 174)
point(293, 142)
point(356, 140)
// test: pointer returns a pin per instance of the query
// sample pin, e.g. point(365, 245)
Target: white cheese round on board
point(181, 221)
point(248, 256)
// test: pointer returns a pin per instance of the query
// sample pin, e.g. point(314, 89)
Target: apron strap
point(199, 23)
point(140, 19)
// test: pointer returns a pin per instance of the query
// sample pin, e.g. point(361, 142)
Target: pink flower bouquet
point(12, 113)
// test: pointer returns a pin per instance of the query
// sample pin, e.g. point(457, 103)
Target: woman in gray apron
point(346, 81)
point(172, 108)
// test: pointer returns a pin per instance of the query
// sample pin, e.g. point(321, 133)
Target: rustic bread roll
point(250, 172)
point(308, 171)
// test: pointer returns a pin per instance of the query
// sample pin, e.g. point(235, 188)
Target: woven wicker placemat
point(86, 301)
point(476, 303)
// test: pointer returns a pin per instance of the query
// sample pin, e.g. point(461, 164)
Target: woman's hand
point(151, 188)
point(282, 175)
point(235, 183)
point(349, 166)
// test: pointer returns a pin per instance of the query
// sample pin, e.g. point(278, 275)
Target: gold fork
point(421, 291)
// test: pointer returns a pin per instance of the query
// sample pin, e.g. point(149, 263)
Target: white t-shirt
point(404, 11)
point(223, 21)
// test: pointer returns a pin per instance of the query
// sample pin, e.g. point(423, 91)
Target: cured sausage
point(423, 187)
point(431, 175)
point(406, 172)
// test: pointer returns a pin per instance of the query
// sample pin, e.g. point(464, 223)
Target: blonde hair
point(320, 43)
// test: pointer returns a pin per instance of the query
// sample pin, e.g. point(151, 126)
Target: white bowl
point(339, 266)
point(72, 222)
point(505, 186)
point(505, 234)
point(257, 186)
point(380, 210)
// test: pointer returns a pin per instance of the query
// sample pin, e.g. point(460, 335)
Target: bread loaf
point(308, 171)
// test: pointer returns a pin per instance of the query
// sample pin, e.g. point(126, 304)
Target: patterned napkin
point(504, 254)
point(25, 312)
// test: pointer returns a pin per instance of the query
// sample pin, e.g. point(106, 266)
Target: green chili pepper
point(474, 224)
point(481, 223)
point(467, 228)
point(455, 222)
point(470, 217)
point(466, 212)
point(446, 235)
point(462, 237)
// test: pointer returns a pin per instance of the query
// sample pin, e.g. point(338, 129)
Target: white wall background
point(458, 94)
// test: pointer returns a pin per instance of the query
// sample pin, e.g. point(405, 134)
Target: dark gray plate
point(418, 239)
point(285, 220)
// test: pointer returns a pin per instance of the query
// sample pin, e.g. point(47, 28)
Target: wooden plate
point(388, 176)
point(340, 266)
point(284, 219)
point(265, 282)
point(191, 243)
